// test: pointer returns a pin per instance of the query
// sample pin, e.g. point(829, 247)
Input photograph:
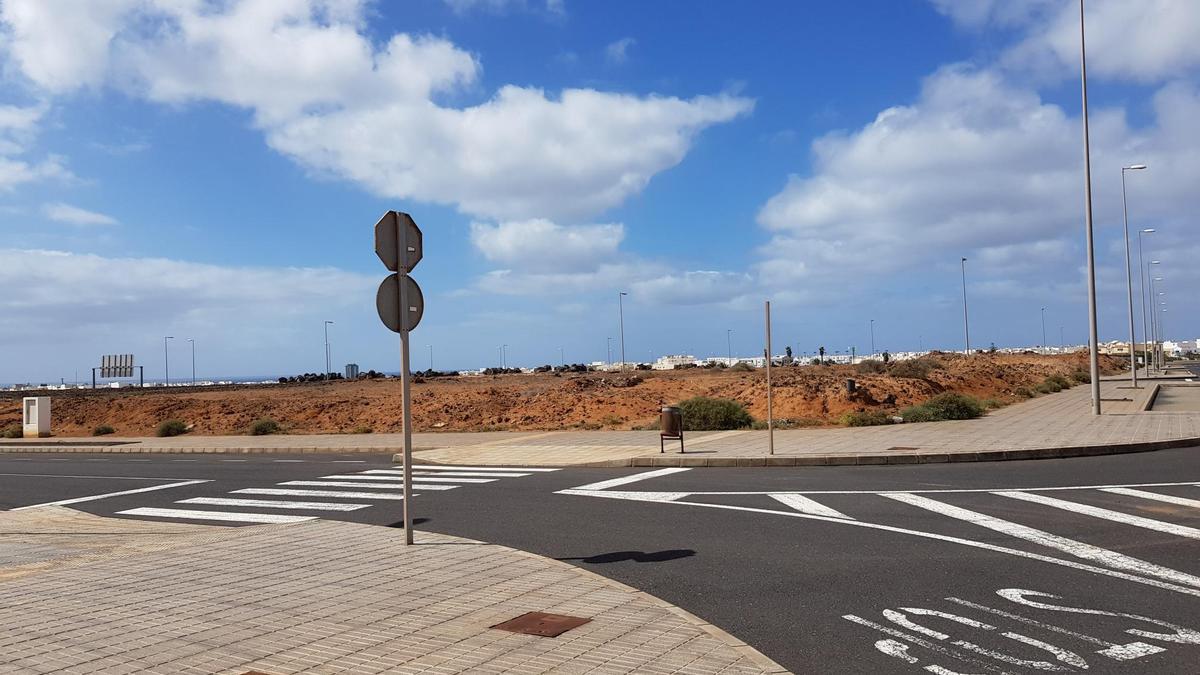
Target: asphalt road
point(963, 568)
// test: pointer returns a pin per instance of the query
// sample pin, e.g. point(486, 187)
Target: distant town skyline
point(214, 173)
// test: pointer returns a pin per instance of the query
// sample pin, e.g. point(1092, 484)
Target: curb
point(870, 459)
point(135, 447)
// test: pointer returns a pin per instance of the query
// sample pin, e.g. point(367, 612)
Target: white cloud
point(1146, 41)
point(603, 278)
point(64, 292)
point(543, 246)
point(18, 127)
point(73, 215)
point(617, 52)
point(327, 97)
point(694, 288)
point(556, 7)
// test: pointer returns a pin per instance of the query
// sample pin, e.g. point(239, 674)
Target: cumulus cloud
point(18, 127)
point(71, 292)
point(617, 52)
point(73, 215)
point(327, 97)
point(541, 245)
point(699, 287)
point(463, 6)
point(1146, 41)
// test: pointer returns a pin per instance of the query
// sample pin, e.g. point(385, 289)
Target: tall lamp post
point(872, 338)
point(562, 361)
point(1044, 350)
point(193, 343)
point(966, 324)
point(1142, 293)
point(328, 364)
point(167, 361)
point(1093, 332)
point(621, 319)
point(430, 356)
point(729, 345)
point(1129, 277)
point(1153, 315)
point(608, 344)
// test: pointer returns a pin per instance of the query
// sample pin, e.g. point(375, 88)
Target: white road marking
point(1126, 652)
point(641, 496)
point(1169, 499)
point(1062, 655)
point(942, 491)
point(369, 486)
point(289, 460)
point(185, 460)
point(1106, 514)
point(269, 504)
point(805, 505)
point(58, 475)
point(349, 461)
point(922, 642)
point(896, 649)
point(394, 474)
point(318, 493)
point(80, 500)
point(448, 467)
point(626, 480)
point(1179, 635)
point(1076, 548)
point(365, 479)
point(235, 460)
point(216, 515)
point(470, 474)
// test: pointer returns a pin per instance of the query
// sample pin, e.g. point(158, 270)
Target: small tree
point(821, 352)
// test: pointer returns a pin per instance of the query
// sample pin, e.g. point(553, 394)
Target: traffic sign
point(387, 302)
point(387, 232)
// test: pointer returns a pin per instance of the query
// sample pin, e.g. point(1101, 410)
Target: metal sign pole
point(402, 271)
point(770, 410)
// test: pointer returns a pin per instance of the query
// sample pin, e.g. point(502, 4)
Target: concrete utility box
point(35, 414)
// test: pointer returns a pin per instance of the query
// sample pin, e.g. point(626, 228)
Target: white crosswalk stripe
point(189, 514)
point(1078, 549)
point(271, 504)
point(1155, 496)
point(386, 472)
point(317, 493)
point(805, 505)
point(1106, 514)
point(368, 486)
point(443, 467)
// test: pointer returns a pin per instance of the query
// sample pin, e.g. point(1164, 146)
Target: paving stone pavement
point(328, 597)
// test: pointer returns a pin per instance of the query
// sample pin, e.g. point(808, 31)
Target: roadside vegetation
point(714, 414)
point(172, 428)
point(265, 427)
point(12, 431)
point(947, 406)
point(103, 430)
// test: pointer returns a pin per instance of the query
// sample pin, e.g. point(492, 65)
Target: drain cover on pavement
point(900, 448)
point(541, 623)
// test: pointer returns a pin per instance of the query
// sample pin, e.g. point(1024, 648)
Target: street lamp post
point(872, 338)
point(608, 344)
point(621, 318)
point(328, 362)
point(966, 324)
point(193, 343)
point(1129, 276)
point(167, 361)
point(430, 356)
point(729, 346)
point(1044, 350)
point(1154, 315)
point(1093, 332)
point(562, 361)
point(1142, 293)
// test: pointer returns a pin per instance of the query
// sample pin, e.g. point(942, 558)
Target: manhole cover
point(541, 623)
point(900, 448)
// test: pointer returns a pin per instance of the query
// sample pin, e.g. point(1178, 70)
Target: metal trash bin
point(670, 427)
point(851, 386)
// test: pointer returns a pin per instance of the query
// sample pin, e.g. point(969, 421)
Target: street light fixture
point(1129, 276)
point(1044, 350)
point(729, 346)
point(1142, 293)
point(167, 361)
point(872, 338)
point(328, 364)
point(430, 356)
point(193, 343)
point(1093, 332)
point(966, 324)
point(608, 344)
point(1153, 315)
point(621, 318)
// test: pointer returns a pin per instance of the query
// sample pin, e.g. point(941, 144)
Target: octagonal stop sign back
point(386, 247)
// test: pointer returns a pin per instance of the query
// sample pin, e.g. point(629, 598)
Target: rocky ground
point(806, 396)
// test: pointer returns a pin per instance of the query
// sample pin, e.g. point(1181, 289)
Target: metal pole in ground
point(966, 324)
point(1093, 332)
point(405, 379)
point(1129, 276)
point(621, 318)
point(1044, 348)
point(1142, 294)
point(770, 410)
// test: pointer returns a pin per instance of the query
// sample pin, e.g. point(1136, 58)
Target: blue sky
point(212, 170)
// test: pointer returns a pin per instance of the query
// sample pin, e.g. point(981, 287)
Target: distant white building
point(672, 361)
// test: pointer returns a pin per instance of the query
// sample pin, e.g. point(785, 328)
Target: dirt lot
point(811, 395)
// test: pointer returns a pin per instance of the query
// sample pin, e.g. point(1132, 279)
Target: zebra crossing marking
point(805, 505)
point(318, 493)
point(187, 514)
point(272, 504)
point(1168, 499)
point(368, 486)
point(1106, 514)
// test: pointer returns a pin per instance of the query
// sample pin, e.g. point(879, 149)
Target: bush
point(103, 430)
point(713, 414)
point(264, 427)
point(947, 406)
point(12, 431)
point(870, 366)
point(916, 369)
point(1061, 381)
point(362, 429)
point(994, 403)
point(1047, 388)
point(869, 418)
point(741, 367)
point(1024, 392)
point(1081, 376)
point(172, 428)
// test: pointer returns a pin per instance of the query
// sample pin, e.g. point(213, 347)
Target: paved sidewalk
point(1055, 425)
point(319, 597)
